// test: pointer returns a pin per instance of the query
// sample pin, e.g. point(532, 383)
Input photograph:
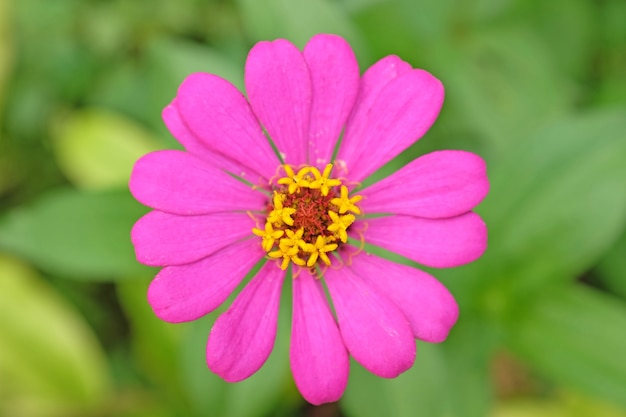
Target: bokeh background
point(538, 88)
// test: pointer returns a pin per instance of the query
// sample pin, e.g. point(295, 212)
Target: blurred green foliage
point(537, 88)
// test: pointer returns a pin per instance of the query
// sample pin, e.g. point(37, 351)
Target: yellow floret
point(269, 236)
point(280, 214)
point(345, 203)
point(319, 249)
point(321, 181)
point(340, 224)
point(288, 253)
point(295, 181)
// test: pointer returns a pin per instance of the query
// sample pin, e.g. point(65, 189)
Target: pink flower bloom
point(209, 229)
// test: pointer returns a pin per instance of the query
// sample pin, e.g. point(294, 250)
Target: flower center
point(308, 217)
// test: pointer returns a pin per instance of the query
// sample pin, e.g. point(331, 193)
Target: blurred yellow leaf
point(50, 362)
point(96, 149)
point(565, 404)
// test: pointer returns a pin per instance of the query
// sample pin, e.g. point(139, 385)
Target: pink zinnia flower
point(209, 228)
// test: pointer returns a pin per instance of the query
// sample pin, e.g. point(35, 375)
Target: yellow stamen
point(288, 254)
point(295, 181)
point(293, 239)
point(319, 249)
point(269, 236)
point(321, 181)
point(340, 224)
point(280, 214)
point(308, 217)
point(345, 203)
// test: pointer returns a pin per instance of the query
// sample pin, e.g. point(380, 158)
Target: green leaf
point(144, 87)
point(97, 149)
point(84, 235)
point(557, 202)
point(6, 47)
point(6, 64)
point(128, 88)
point(172, 60)
point(612, 268)
point(426, 20)
point(421, 391)
point(576, 337)
point(205, 390)
point(567, 27)
point(508, 85)
point(212, 396)
point(357, 5)
point(564, 199)
point(612, 88)
point(266, 388)
point(469, 350)
point(50, 361)
point(155, 343)
point(298, 21)
point(385, 39)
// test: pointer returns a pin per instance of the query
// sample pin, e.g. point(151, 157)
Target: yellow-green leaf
point(50, 362)
point(97, 149)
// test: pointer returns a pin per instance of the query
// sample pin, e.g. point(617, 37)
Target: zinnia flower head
point(229, 201)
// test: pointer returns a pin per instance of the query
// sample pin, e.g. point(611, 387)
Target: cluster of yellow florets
point(307, 217)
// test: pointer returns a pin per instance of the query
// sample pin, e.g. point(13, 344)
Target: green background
point(538, 88)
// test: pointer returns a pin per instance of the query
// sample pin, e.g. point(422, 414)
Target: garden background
point(538, 88)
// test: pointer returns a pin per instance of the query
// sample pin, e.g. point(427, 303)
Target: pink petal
point(243, 337)
point(374, 80)
point(219, 115)
point(428, 306)
point(371, 84)
point(163, 239)
point(279, 89)
point(319, 360)
point(401, 114)
point(439, 243)
point(374, 330)
point(180, 183)
point(335, 80)
point(174, 123)
point(439, 184)
point(187, 292)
